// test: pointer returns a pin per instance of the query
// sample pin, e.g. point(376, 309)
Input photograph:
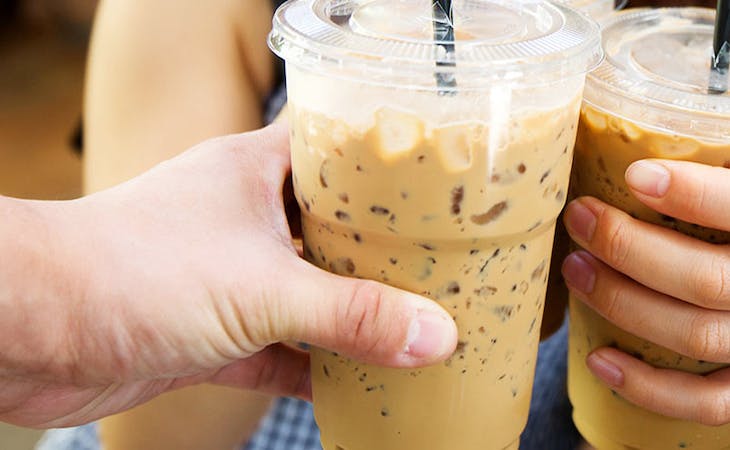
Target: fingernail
point(580, 220)
point(428, 336)
point(648, 177)
point(579, 273)
point(605, 370)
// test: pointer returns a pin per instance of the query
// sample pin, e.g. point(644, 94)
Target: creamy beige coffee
point(423, 208)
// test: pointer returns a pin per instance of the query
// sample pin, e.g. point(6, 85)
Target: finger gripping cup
point(450, 196)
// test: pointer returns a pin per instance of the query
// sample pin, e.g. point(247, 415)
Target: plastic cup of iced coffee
point(447, 189)
point(649, 99)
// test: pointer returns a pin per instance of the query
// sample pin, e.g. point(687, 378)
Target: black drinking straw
point(721, 49)
point(443, 35)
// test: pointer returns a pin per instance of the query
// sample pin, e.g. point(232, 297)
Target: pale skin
point(658, 284)
point(174, 279)
point(162, 76)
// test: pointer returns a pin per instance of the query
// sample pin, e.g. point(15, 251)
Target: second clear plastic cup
point(641, 103)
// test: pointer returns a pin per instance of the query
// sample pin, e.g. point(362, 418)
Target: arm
point(162, 76)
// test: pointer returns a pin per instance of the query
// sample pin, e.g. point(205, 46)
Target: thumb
point(362, 319)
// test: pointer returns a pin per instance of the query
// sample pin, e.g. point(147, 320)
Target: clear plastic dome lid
point(494, 39)
point(597, 9)
point(657, 71)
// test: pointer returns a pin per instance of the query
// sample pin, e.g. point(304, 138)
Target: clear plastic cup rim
point(618, 89)
point(303, 35)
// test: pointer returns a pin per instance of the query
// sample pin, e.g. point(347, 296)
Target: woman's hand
point(187, 274)
point(660, 285)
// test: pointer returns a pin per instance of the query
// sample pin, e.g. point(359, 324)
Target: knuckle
point(359, 318)
point(711, 283)
point(714, 410)
point(650, 397)
point(708, 337)
point(696, 201)
point(618, 241)
point(612, 303)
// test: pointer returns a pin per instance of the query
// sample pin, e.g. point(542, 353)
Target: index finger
point(688, 191)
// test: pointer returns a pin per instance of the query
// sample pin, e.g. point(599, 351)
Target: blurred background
point(43, 46)
point(42, 54)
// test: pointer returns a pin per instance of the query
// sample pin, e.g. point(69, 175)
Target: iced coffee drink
point(616, 129)
point(449, 193)
point(437, 218)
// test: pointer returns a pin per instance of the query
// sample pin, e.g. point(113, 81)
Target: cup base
point(513, 446)
point(596, 440)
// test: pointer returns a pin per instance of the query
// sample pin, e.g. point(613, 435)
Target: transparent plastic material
point(450, 195)
point(657, 71)
point(647, 100)
point(598, 9)
point(391, 41)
